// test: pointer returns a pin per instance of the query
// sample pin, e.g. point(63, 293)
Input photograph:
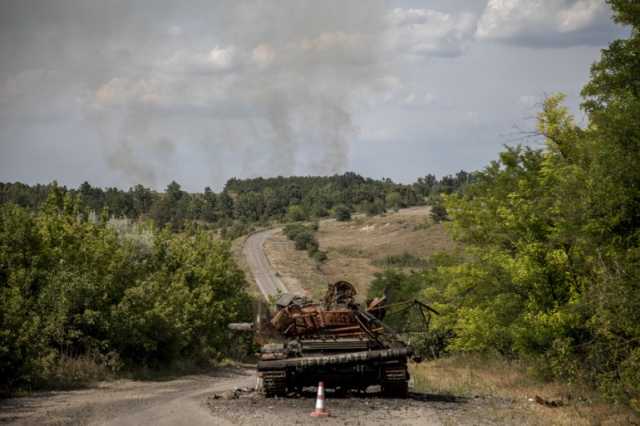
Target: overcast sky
point(126, 92)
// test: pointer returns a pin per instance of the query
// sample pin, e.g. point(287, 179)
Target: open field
point(353, 246)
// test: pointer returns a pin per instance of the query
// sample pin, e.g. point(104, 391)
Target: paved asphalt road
point(263, 273)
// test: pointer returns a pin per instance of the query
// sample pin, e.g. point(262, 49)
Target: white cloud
point(391, 91)
point(545, 22)
point(428, 32)
point(580, 15)
point(217, 59)
point(221, 59)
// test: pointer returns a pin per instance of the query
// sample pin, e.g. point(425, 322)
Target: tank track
point(274, 383)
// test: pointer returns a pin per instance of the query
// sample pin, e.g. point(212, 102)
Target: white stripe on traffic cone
point(320, 411)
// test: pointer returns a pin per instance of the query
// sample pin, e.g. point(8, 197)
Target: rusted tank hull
point(337, 359)
point(336, 342)
point(349, 371)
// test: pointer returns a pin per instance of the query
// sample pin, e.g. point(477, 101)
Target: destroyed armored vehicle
point(336, 342)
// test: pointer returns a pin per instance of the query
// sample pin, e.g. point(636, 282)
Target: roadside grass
point(73, 372)
point(184, 367)
point(349, 251)
point(88, 371)
point(510, 389)
point(300, 273)
point(404, 260)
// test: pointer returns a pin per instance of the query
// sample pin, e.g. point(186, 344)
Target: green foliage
point(396, 285)
point(291, 230)
point(342, 213)
point(394, 200)
point(305, 241)
point(438, 210)
point(295, 213)
point(374, 208)
point(551, 265)
point(250, 201)
point(236, 230)
point(429, 185)
point(72, 288)
point(549, 233)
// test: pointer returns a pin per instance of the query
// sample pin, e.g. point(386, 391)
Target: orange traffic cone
point(320, 411)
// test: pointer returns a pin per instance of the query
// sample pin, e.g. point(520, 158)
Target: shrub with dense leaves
point(342, 213)
point(71, 288)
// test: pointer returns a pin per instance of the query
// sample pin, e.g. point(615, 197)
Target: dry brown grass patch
point(499, 381)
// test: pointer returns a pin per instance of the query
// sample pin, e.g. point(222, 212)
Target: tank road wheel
point(274, 383)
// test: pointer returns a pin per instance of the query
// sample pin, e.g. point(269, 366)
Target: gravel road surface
point(263, 273)
point(225, 397)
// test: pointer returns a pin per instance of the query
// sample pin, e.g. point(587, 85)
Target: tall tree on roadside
point(552, 269)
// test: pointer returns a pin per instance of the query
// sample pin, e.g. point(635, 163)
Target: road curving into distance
point(265, 277)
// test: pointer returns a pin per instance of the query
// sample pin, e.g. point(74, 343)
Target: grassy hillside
point(357, 249)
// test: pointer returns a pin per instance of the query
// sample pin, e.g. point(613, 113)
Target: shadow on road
point(412, 396)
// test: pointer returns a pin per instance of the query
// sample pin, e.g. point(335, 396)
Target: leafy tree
point(394, 200)
point(552, 259)
point(209, 210)
point(296, 213)
point(424, 185)
point(226, 205)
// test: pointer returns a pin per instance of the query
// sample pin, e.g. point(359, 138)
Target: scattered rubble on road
point(252, 408)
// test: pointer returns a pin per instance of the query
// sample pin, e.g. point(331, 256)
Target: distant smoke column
point(120, 134)
point(283, 152)
point(339, 131)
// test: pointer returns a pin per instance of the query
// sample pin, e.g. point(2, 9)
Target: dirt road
point(126, 402)
point(266, 279)
point(224, 397)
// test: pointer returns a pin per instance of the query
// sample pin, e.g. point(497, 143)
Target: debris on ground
point(232, 394)
point(547, 402)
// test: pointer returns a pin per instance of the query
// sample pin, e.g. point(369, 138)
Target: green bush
point(374, 208)
point(438, 210)
point(320, 211)
point(304, 240)
point(342, 213)
point(292, 230)
point(70, 289)
point(236, 230)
